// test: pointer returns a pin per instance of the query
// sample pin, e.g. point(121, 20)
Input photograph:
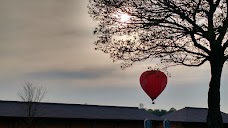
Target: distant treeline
point(161, 112)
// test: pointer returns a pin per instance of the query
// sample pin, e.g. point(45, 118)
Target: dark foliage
point(161, 112)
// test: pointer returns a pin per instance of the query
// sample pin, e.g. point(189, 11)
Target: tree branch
point(225, 45)
point(177, 10)
point(194, 65)
point(226, 58)
point(223, 30)
point(199, 45)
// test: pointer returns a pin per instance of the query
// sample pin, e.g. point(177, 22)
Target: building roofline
point(199, 108)
point(193, 108)
point(72, 104)
point(77, 111)
point(191, 114)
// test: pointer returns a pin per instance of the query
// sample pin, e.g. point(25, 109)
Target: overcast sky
point(50, 43)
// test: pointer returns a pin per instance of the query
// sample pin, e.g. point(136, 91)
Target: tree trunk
point(214, 118)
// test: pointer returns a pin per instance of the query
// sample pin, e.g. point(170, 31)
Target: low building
point(190, 117)
point(56, 115)
point(59, 115)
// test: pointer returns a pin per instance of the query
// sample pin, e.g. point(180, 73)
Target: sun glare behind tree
point(124, 17)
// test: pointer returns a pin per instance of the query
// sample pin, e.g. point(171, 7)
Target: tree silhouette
point(32, 96)
point(178, 32)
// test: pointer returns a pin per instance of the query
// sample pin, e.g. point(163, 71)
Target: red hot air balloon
point(153, 83)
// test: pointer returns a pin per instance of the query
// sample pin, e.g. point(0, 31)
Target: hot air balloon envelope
point(153, 83)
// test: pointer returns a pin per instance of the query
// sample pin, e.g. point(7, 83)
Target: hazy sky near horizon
point(50, 43)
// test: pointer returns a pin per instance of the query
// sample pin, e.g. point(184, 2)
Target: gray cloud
point(28, 23)
point(44, 35)
point(79, 74)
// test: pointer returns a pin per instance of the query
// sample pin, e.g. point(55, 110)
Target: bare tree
point(32, 96)
point(178, 32)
